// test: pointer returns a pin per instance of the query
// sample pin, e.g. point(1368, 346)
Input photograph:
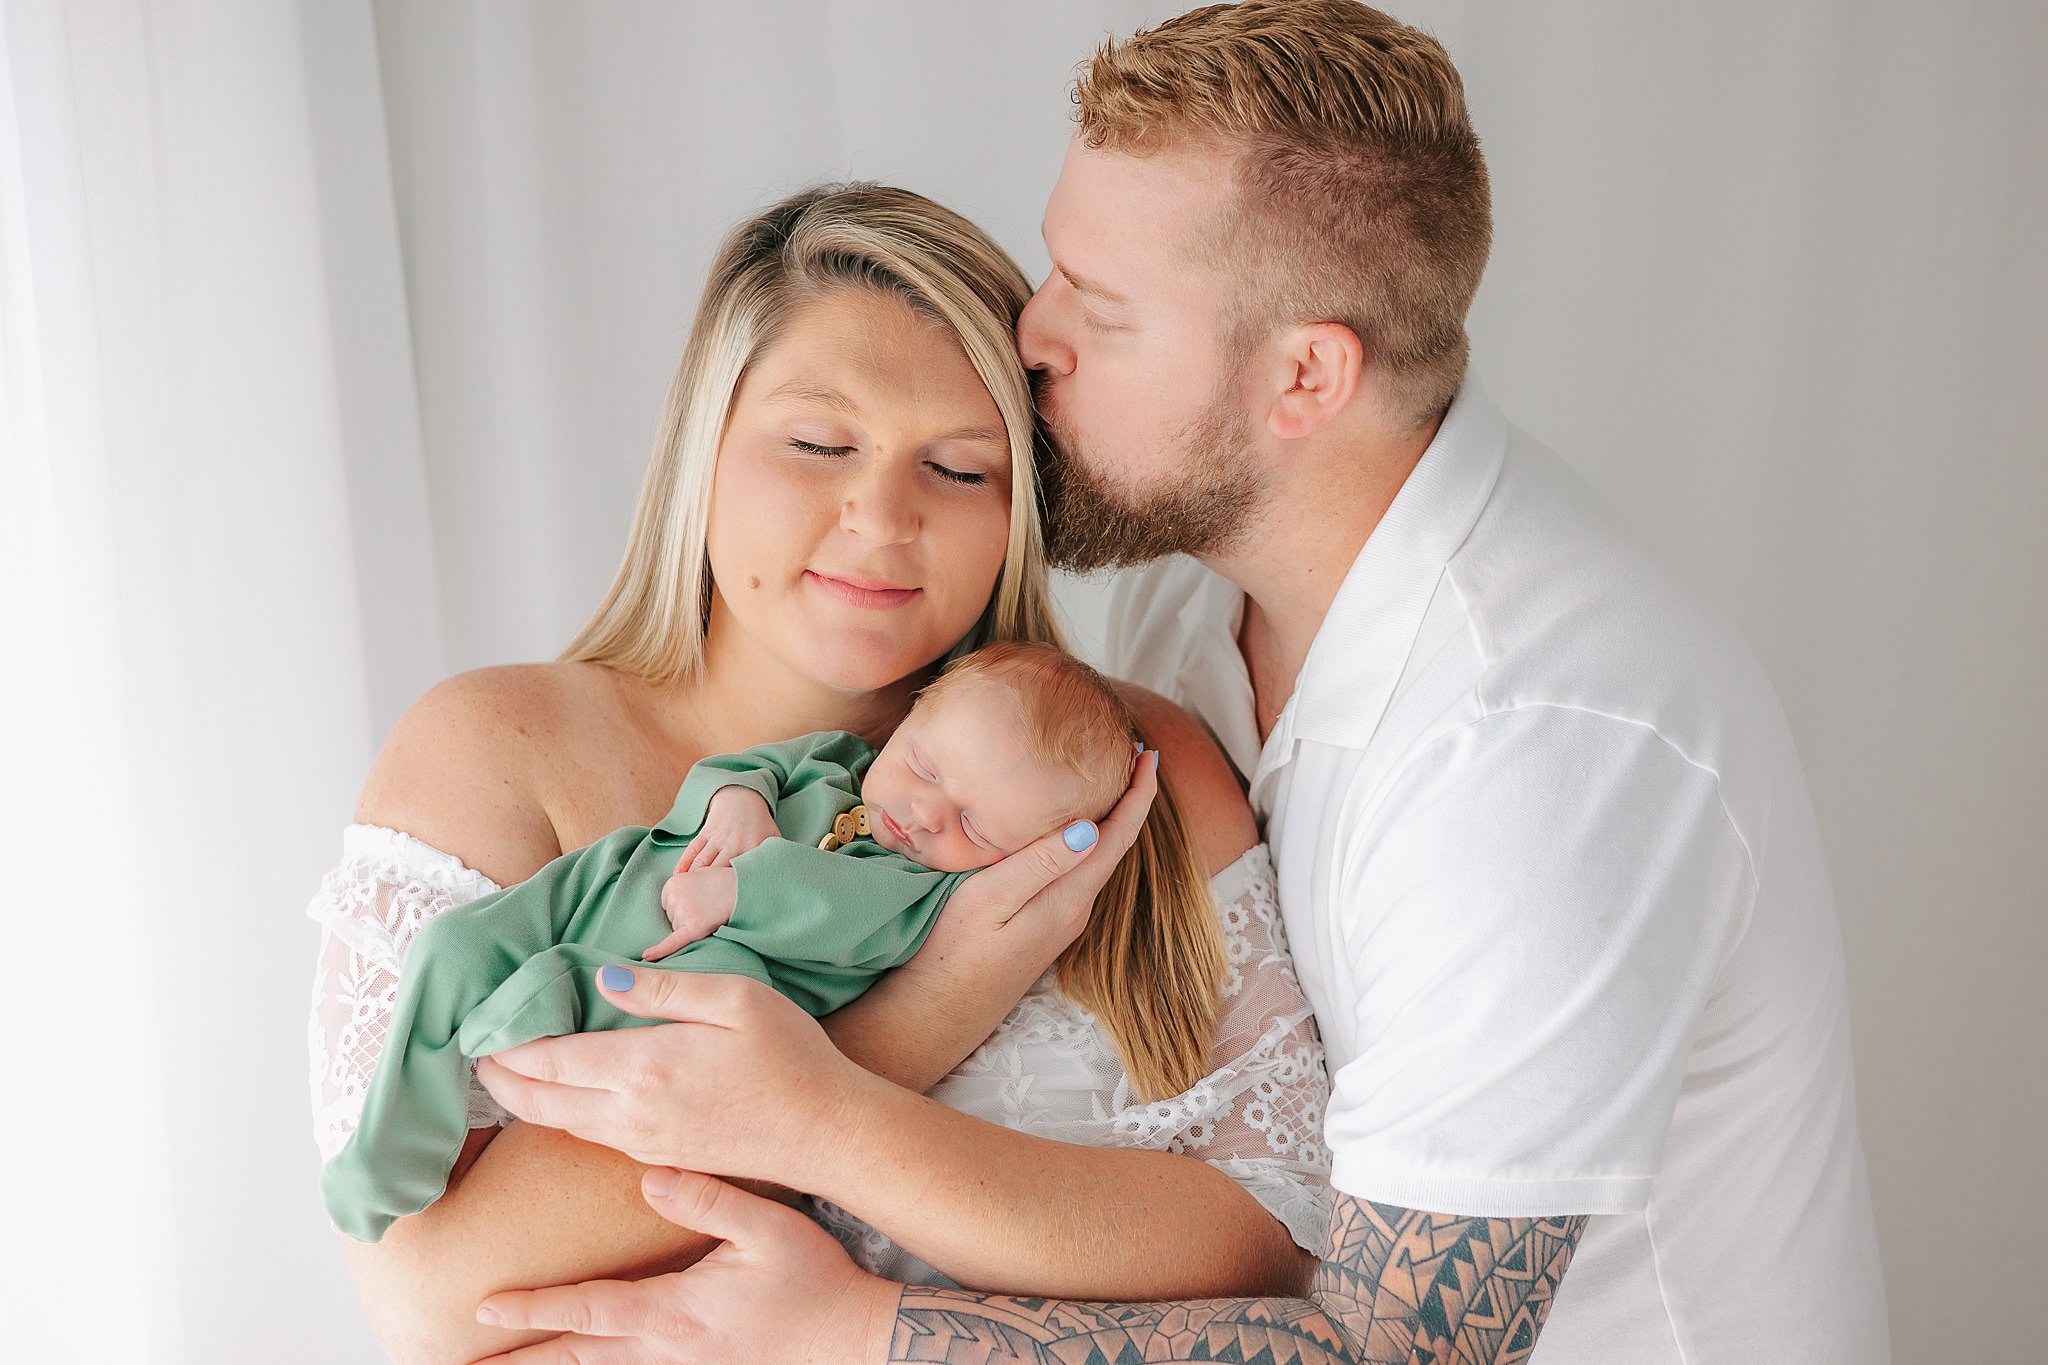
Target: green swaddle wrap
point(522, 963)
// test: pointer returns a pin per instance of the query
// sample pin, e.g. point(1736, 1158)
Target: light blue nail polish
point(1080, 835)
point(615, 978)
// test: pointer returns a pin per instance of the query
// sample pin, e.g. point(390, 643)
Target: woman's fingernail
point(659, 1182)
point(615, 978)
point(1080, 835)
point(489, 1317)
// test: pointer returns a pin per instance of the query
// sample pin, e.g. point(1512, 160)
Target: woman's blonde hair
point(1153, 978)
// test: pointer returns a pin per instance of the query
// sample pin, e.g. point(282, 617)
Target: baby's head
point(1009, 743)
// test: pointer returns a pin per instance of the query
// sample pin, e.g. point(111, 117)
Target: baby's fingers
point(668, 945)
point(690, 851)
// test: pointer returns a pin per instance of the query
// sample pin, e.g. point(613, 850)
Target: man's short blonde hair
point(1360, 195)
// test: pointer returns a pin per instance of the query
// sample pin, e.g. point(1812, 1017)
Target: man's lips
point(861, 592)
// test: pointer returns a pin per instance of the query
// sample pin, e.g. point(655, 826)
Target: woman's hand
point(778, 1288)
point(743, 1083)
point(1042, 890)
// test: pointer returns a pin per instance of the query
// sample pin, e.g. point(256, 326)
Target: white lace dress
point(1048, 1070)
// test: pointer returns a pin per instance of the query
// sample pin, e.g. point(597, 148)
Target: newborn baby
point(812, 865)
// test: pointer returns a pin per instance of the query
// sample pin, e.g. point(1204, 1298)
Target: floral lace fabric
point(1048, 1070)
point(1051, 1070)
point(369, 909)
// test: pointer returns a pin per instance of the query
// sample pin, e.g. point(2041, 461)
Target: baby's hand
point(696, 903)
point(736, 820)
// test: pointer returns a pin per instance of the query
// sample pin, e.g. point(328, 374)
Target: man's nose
point(1038, 343)
point(877, 506)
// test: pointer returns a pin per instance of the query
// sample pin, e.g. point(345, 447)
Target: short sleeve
point(1533, 914)
point(370, 908)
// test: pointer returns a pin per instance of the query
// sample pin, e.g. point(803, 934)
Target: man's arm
point(1395, 1285)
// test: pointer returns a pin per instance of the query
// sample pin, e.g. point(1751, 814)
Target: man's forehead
point(1109, 211)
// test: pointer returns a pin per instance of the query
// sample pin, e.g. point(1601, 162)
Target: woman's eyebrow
point(984, 435)
point(803, 391)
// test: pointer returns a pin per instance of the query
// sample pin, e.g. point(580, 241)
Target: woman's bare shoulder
point(1214, 806)
point(465, 767)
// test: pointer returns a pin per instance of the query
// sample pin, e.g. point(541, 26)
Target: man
point(1545, 852)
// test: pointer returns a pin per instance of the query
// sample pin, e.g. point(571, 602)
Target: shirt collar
point(1364, 641)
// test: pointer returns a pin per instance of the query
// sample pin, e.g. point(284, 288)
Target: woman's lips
point(861, 592)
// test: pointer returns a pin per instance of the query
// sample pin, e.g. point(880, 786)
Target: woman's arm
point(1005, 1212)
point(990, 1206)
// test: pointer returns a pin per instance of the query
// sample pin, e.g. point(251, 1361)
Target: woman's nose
point(1038, 343)
point(878, 508)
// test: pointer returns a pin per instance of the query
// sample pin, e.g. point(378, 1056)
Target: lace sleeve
point(369, 909)
point(1261, 1117)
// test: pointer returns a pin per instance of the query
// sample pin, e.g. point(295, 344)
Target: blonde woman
point(842, 497)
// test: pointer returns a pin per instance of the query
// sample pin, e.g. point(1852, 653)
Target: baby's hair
point(1072, 715)
point(1150, 964)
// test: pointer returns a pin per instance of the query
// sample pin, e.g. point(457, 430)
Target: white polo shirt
point(1555, 891)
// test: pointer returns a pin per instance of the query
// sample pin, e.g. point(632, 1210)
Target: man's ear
point(1316, 374)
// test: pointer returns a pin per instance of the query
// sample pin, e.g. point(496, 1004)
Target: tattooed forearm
point(1396, 1286)
point(1410, 1286)
point(953, 1326)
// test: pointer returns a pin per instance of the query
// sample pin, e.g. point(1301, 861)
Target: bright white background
point(331, 341)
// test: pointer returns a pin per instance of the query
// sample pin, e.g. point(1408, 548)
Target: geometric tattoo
point(1396, 1286)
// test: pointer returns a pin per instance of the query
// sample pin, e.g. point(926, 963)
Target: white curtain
point(205, 380)
point(331, 343)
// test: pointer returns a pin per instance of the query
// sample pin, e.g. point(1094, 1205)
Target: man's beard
point(1205, 508)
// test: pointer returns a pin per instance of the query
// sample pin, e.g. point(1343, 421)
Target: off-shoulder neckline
point(360, 839)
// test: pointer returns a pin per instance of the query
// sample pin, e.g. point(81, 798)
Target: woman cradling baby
point(850, 381)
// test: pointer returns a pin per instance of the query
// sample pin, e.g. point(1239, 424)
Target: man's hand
point(742, 1084)
point(737, 819)
point(777, 1289)
point(696, 904)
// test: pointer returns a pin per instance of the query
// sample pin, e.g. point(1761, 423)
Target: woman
point(850, 381)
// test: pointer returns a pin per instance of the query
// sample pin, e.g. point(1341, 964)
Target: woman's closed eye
point(966, 478)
